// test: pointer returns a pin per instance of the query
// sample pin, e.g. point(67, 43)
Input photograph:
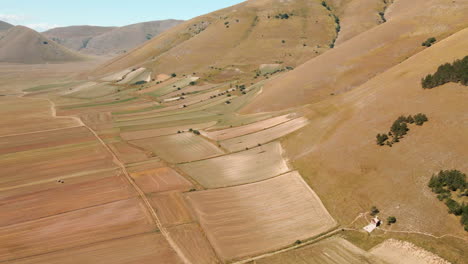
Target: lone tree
point(374, 211)
point(391, 220)
point(173, 75)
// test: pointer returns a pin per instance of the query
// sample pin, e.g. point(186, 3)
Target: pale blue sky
point(44, 14)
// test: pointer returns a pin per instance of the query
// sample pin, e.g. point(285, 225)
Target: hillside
point(75, 37)
point(108, 40)
point(24, 45)
point(5, 26)
point(232, 43)
point(409, 23)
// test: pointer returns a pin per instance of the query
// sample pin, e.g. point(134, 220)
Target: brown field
point(77, 228)
point(133, 76)
point(134, 135)
point(128, 153)
point(395, 251)
point(141, 249)
point(171, 207)
point(51, 198)
point(160, 179)
point(333, 250)
point(25, 115)
point(193, 243)
point(169, 147)
point(259, 217)
point(264, 136)
point(247, 129)
point(248, 166)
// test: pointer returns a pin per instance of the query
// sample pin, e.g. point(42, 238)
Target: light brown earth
point(249, 166)
point(262, 216)
point(160, 180)
point(144, 249)
point(168, 147)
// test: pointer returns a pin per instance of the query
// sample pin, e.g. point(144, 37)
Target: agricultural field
point(264, 136)
point(262, 216)
point(248, 166)
point(169, 147)
point(155, 179)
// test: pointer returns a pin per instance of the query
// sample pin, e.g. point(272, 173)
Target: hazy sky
point(44, 14)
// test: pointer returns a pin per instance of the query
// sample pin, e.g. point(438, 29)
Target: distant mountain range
point(108, 40)
point(19, 44)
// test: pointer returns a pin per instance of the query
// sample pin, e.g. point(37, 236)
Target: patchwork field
point(248, 166)
point(159, 179)
point(144, 249)
point(179, 148)
point(247, 129)
point(77, 228)
point(134, 135)
point(395, 251)
point(264, 136)
point(261, 216)
point(333, 250)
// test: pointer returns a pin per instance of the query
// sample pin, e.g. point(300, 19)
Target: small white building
point(375, 222)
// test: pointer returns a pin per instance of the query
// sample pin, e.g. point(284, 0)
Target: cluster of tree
point(324, 4)
point(429, 42)
point(196, 132)
point(456, 72)
point(400, 128)
point(140, 82)
point(446, 182)
point(283, 16)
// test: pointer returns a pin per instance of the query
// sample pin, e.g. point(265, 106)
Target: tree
point(420, 119)
point(391, 220)
point(381, 138)
point(173, 75)
point(454, 207)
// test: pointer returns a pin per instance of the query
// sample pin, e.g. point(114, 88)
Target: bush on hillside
point(391, 220)
point(140, 82)
point(173, 75)
point(429, 42)
point(420, 119)
point(400, 128)
point(456, 72)
point(381, 138)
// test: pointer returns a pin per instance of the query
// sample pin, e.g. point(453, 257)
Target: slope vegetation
point(24, 45)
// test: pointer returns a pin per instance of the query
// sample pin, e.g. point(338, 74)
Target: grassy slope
point(342, 162)
point(23, 45)
point(239, 38)
point(352, 63)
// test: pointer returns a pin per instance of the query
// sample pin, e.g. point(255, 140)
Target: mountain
point(24, 45)
point(75, 37)
point(5, 26)
point(353, 62)
point(108, 40)
point(235, 41)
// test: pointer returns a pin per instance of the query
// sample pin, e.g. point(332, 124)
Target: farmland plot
point(133, 135)
point(171, 207)
point(160, 180)
point(247, 129)
point(330, 251)
point(250, 140)
point(193, 243)
point(41, 200)
point(77, 228)
point(259, 217)
point(141, 249)
point(244, 167)
point(179, 148)
point(395, 251)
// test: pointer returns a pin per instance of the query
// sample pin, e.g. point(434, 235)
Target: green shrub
point(173, 75)
point(391, 220)
point(381, 138)
point(374, 211)
point(140, 82)
point(429, 42)
point(420, 119)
